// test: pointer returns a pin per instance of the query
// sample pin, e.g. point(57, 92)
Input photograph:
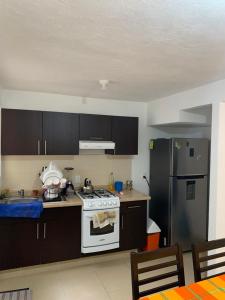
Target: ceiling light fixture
point(104, 83)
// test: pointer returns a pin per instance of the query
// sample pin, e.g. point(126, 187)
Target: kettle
point(88, 187)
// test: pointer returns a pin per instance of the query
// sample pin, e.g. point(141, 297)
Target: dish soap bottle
point(111, 182)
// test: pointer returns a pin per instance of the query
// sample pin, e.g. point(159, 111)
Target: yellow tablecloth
point(210, 289)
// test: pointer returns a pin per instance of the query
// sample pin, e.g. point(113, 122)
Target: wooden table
point(210, 289)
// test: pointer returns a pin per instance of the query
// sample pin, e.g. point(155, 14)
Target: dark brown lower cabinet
point(19, 246)
point(5, 241)
point(56, 236)
point(133, 218)
point(61, 234)
point(25, 247)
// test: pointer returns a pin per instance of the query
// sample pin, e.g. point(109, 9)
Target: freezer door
point(189, 210)
point(189, 157)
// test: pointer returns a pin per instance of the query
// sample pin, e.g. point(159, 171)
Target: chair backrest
point(201, 258)
point(138, 271)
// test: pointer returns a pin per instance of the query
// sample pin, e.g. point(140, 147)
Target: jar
point(129, 185)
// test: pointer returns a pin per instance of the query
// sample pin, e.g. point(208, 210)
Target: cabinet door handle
point(96, 138)
point(122, 222)
point(45, 226)
point(45, 147)
point(164, 241)
point(135, 206)
point(39, 148)
point(37, 231)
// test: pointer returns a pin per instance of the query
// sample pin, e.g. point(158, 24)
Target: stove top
point(97, 194)
point(99, 199)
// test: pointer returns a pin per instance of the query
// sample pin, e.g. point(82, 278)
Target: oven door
point(92, 237)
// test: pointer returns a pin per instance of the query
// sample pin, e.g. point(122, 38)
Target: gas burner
point(104, 193)
point(100, 191)
point(82, 195)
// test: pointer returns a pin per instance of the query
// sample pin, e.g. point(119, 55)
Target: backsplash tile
point(21, 172)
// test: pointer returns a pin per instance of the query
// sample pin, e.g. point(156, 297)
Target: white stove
point(99, 199)
point(101, 238)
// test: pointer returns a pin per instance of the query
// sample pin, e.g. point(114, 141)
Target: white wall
point(217, 186)
point(167, 110)
point(63, 103)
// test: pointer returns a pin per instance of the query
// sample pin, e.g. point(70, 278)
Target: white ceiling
point(147, 48)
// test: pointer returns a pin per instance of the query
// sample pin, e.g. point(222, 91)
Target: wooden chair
point(199, 259)
point(150, 256)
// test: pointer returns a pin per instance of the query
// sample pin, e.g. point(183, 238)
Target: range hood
point(95, 145)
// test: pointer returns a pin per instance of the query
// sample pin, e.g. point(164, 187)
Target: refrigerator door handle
point(170, 235)
point(190, 177)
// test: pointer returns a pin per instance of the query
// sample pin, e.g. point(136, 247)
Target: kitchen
point(68, 134)
point(57, 236)
point(54, 103)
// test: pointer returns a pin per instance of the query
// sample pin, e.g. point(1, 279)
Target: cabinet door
point(95, 127)
point(60, 133)
point(125, 135)
point(133, 225)
point(5, 241)
point(61, 234)
point(25, 246)
point(19, 243)
point(21, 132)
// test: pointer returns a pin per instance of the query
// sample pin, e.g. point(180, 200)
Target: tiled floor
point(102, 278)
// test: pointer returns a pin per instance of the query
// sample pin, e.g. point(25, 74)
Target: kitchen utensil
point(51, 171)
point(76, 182)
point(118, 186)
point(52, 178)
point(129, 185)
point(69, 173)
point(88, 187)
point(63, 182)
point(69, 189)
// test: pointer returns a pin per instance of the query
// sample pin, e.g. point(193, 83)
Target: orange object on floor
point(152, 241)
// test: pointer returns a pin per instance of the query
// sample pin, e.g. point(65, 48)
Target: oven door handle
point(92, 215)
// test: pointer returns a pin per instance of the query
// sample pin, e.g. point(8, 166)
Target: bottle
point(111, 182)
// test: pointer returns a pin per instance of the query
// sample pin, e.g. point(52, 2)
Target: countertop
point(75, 201)
point(72, 201)
point(133, 196)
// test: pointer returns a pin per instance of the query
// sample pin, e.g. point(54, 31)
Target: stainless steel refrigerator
point(179, 189)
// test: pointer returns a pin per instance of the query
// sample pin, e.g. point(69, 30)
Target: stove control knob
point(114, 202)
point(100, 203)
point(104, 203)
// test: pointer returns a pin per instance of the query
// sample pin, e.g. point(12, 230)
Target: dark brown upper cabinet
point(27, 132)
point(60, 133)
point(125, 135)
point(95, 127)
point(21, 132)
